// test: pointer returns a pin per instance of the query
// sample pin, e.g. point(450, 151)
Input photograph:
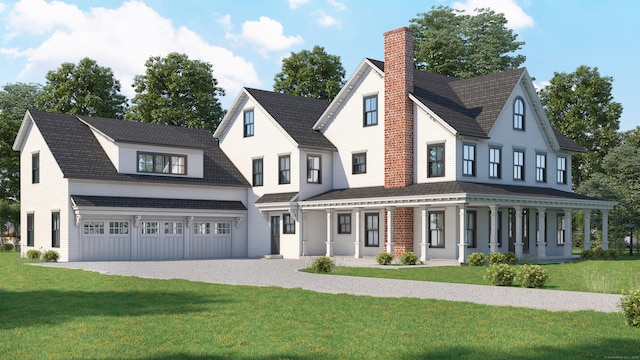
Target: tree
point(313, 74)
point(15, 100)
point(580, 105)
point(449, 42)
point(177, 91)
point(9, 216)
point(86, 89)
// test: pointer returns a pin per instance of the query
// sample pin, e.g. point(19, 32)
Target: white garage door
point(161, 240)
point(210, 240)
point(105, 240)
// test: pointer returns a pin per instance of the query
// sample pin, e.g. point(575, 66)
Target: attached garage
point(165, 229)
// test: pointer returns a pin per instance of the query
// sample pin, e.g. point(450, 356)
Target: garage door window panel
point(174, 228)
point(222, 228)
point(202, 228)
point(94, 227)
point(150, 228)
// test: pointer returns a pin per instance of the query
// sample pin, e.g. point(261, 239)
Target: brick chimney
point(398, 108)
point(398, 130)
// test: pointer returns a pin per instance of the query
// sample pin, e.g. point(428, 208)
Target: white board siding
point(307, 189)
point(431, 132)
point(128, 158)
point(315, 233)
point(109, 147)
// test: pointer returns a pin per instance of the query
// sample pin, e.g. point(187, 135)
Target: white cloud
point(325, 20)
point(541, 85)
point(2, 7)
point(340, 6)
point(225, 21)
point(516, 17)
point(294, 4)
point(121, 39)
point(266, 35)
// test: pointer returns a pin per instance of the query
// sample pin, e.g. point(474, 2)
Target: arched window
point(518, 114)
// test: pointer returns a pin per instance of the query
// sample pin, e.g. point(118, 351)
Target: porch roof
point(155, 203)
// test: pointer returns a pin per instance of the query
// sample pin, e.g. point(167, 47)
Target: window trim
point(518, 168)
point(439, 230)
point(541, 171)
point(519, 116)
point(257, 178)
point(344, 223)
point(248, 128)
point(431, 162)
point(154, 164)
point(365, 112)
point(561, 177)
point(495, 166)
point(282, 170)
point(311, 169)
point(369, 239)
point(55, 229)
point(472, 228)
point(466, 161)
point(355, 167)
point(35, 168)
point(288, 224)
point(31, 229)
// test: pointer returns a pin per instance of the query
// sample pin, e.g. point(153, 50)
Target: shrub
point(630, 307)
point(497, 258)
point(323, 264)
point(500, 275)
point(50, 256)
point(408, 258)
point(384, 258)
point(7, 247)
point(33, 254)
point(598, 253)
point(510, 258)
point(477, 259)
point(532, 276)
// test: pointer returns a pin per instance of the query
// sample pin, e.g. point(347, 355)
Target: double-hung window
point(258, 172)
point(55, 229)
point(372, 234)
point(370, 104)
point(359, 163)
point(288, 224)
point(560, 234)
point(518, 165)
point(436, 229)
point(469, 160)
point(314, 175)
point(35, 168)
point(562, 170)
point(495, 162)
point(344, 223)
point(518, 114)
point(436, 160)
point(30, 230)
point(284, 169)
point(471, 229)
point(541, 168)
point(248, 123)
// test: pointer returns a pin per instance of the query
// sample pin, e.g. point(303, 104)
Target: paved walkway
point(283, 273)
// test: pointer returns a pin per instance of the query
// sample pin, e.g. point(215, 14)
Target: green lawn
point(51, 313)
point(613, 277)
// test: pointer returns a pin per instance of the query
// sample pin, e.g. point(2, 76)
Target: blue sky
point(245, 41)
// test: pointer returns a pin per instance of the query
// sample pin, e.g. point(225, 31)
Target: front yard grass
point(602, 276)
point(53, 313)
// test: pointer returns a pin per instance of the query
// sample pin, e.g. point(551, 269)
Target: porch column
point(605, 229)
point(423, 233)
point(329, 242)
point(542, 231)
point(587, 229)
point(390, 230)
point(568, 233)
point(462, 241)
point(358, 243)
point(493, 236)
point(518, 244)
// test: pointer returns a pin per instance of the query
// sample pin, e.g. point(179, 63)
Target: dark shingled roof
point(80, 156)
point(276, 198)
point(296, 115)
point(470, 106)
point(451, 187)
point(155, 203)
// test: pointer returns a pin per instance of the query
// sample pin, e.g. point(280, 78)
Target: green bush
point(408, 258)
point(598, 253)
point(384, 258)
point(500, 275)
point(532, 276)
point(510, 258)
point(477, 259)
point(7, 247)
point(50, 256)
point(497, 258)
point(323, 264)
point(34, 254)
point(630, 306)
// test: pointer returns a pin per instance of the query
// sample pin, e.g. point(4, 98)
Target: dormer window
point(518, 114)
point(162, 163)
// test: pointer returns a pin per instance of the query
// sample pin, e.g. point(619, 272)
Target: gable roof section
point(80, 156)
point(296, 115)
point(277, 198)
point(155, 203)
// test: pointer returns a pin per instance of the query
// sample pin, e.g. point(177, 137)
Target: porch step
point(273, 257)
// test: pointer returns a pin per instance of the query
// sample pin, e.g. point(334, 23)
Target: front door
point(275, 235)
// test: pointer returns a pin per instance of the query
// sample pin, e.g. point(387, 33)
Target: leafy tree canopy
point(449, 42)
point(15, 100)
point(86, 88)
point(313, 74)
point(580, 105)
point(177, 91)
